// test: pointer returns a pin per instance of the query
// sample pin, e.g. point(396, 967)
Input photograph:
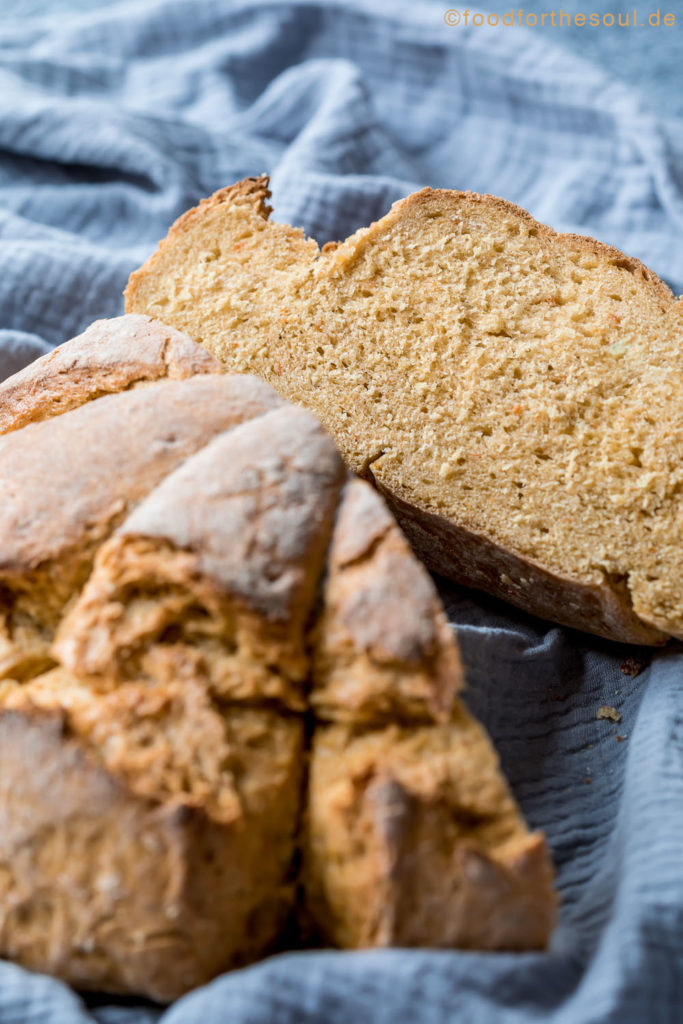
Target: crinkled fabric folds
point(116, 119)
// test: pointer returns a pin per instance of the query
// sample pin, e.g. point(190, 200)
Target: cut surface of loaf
point(514, 393)
point(222, 608)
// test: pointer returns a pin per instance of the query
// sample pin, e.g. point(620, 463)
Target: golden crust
point(116, 891)
point(411, 835)
point(232, 546)
point(68, 483)
point(384, 650)
point(223, 595)
point(110, 356)
point(412, 839)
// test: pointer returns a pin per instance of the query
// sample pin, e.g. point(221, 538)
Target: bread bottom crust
point(473, 560)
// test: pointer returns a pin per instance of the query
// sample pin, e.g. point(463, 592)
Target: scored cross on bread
point(514, 393)
point(226, 682)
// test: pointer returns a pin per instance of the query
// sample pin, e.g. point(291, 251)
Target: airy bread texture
point(514, 393)
point(199, 604)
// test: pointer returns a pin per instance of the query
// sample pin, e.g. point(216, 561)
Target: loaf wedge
point(218, 566)
point(67, 484)
point(514, 393)
point(110, 356)
point(384, 650)
point(148, 833)
point(411, 835)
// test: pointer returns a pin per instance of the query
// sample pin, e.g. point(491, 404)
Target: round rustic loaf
point(229, 694)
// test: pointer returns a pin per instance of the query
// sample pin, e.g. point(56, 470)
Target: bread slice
point(515, 393)
point(110, 356)
point(411, 834)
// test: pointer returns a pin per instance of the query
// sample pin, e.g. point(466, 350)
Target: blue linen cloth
point(116, 118)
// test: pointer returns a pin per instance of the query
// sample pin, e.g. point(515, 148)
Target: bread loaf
point(514, 393)
point(221, 608)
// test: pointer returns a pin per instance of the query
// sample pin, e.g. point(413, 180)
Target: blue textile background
point(112, 122)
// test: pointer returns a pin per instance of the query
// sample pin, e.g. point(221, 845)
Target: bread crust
point(403, 848)
point(384, 650)
point(67, 483)
point(474, 560)
point(276, 480)
point(110, 356)
point(56, 486)
point(230, 605)
point(239, 531)
point(116, 892)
